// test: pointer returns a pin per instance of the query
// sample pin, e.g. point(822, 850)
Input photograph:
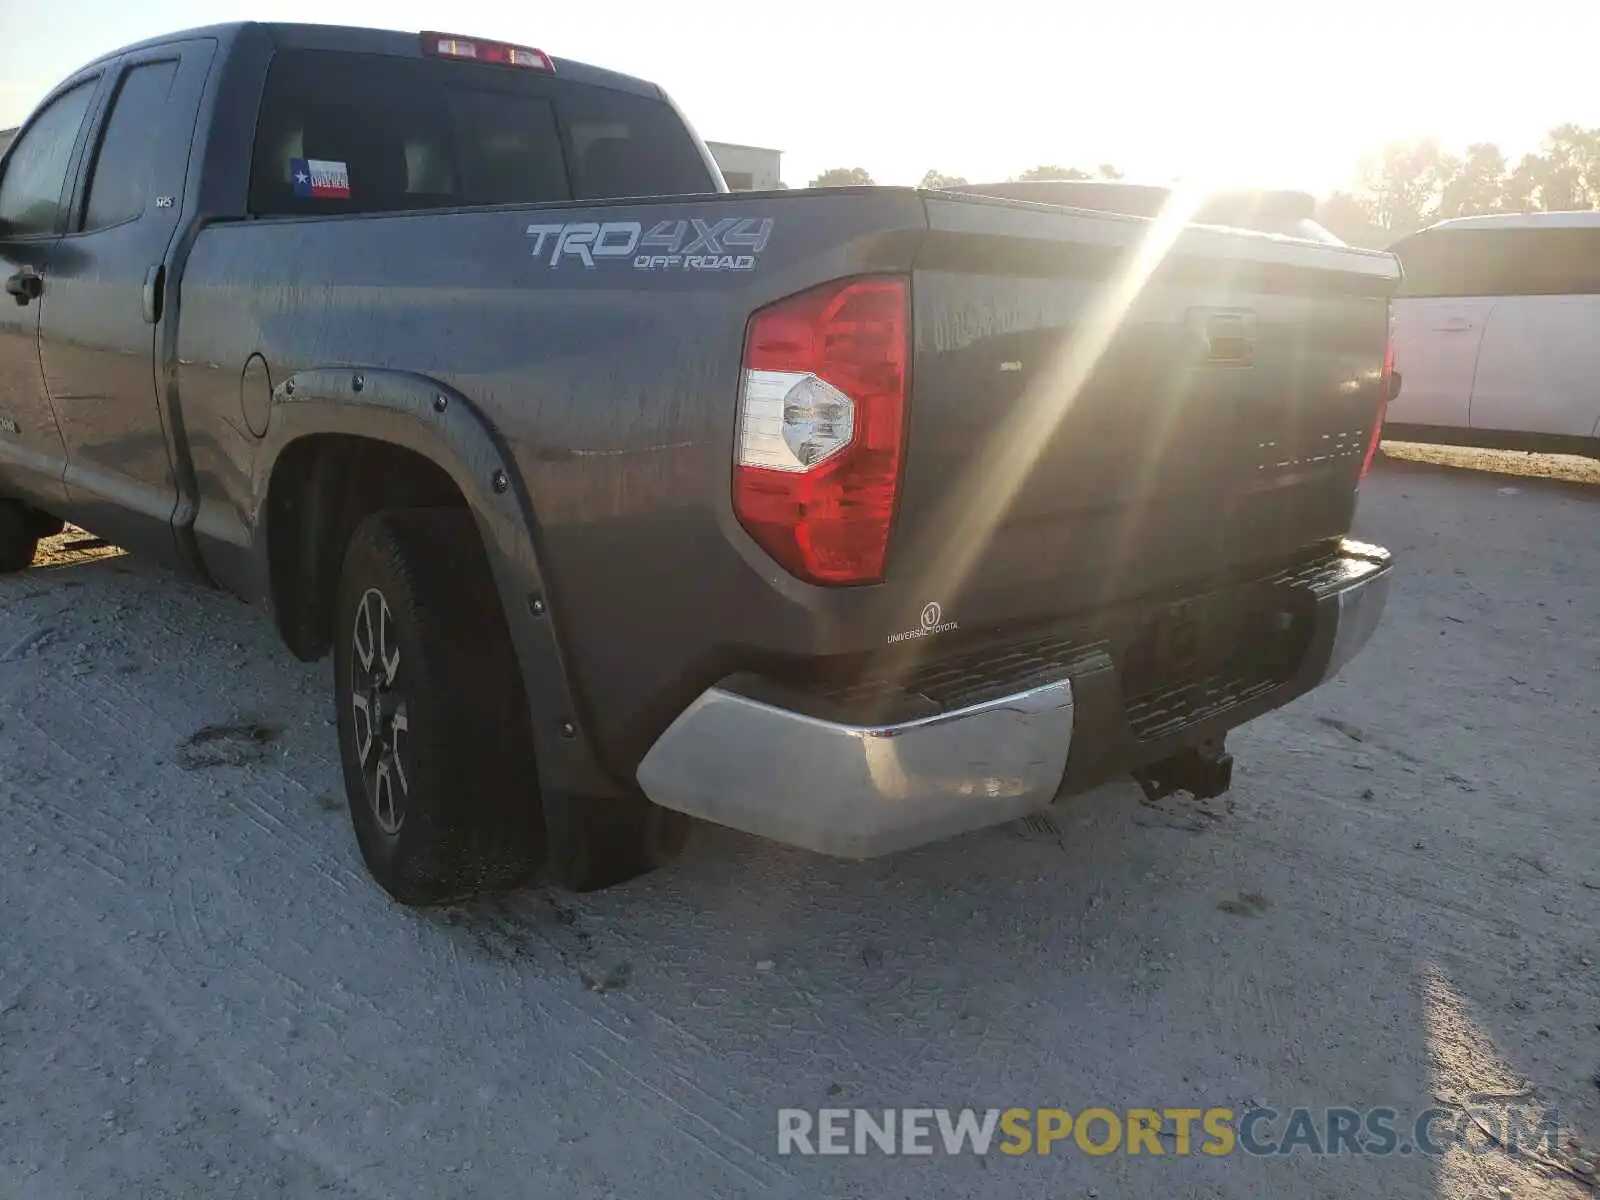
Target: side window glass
point(120, 177)
point(1551, 261)
point(1419, 264)
point(1548, 262)
point(36, 172)
point(1447, 262)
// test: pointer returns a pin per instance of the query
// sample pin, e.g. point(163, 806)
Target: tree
point(842, 177)
point(1520, 192)
point(1348, 218)
point(934, 180)
point(1408, 184)
point(1552, 181)
point(1108, 171)
point(1052, 172)
point(1400, 186)
point(1475, 184)
point(1570, 169)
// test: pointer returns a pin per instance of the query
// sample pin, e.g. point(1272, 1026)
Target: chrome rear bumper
point(1358, 605)
point(863, 790)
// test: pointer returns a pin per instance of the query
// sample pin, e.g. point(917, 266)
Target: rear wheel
point(434, 734)
point(16, 554)
point(19, 539)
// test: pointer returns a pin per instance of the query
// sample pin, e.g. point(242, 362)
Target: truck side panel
point(613, 385)
point(102, 323)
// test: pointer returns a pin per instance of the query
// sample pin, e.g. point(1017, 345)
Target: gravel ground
point(201, 992)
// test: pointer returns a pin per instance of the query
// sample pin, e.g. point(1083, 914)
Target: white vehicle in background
point(1497, 334)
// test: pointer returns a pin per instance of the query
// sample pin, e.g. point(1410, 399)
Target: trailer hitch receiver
point(1204, 771)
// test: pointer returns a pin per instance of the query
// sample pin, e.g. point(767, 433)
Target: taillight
point(448, 45)
point(822, 412)
point(1384, 384)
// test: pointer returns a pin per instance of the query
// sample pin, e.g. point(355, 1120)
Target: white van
point(1497, 334)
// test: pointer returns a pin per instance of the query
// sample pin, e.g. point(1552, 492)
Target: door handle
point(25, 287)
point(1455, 325)
point(150, 297)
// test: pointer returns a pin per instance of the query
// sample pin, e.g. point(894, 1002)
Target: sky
point(1239, 92)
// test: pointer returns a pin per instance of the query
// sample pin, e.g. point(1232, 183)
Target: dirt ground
point(201, 992)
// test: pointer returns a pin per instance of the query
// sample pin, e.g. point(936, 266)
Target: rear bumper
point(738, 757)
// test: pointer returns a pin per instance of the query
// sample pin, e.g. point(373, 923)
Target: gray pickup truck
point(852, 518)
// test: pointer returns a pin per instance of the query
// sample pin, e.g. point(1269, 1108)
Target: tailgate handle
point(1230, 338)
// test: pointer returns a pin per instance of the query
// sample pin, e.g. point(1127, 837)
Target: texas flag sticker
point(321, 178)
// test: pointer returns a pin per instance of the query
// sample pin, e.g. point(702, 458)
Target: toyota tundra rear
point(1067, 499)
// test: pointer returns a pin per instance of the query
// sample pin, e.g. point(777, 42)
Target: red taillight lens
point(822, 412)
point(1383, 400)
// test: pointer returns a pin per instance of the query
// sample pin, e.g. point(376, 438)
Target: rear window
point(351, 133)
point(1500, 262)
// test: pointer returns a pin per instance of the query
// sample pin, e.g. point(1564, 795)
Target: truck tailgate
point(1104, 408)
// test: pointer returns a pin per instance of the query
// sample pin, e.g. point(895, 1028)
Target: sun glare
point(997, 473)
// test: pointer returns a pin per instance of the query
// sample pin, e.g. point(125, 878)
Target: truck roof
point(359, 40)
point(1521, 220)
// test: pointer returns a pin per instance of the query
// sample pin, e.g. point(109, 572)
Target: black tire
point(445, 799)
point(43, 525)
point(16, 553)
point(18, 542)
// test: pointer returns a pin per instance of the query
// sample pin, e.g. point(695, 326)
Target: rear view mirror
point(1394, 386)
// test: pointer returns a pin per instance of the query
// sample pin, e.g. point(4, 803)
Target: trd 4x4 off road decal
point(728, 244)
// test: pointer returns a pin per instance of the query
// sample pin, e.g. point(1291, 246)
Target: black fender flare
point(423, 415)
